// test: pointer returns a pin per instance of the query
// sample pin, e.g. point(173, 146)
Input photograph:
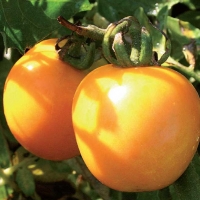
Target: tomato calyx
point(74, 50)
point(127, 44)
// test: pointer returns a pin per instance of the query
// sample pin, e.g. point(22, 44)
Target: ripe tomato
point(37, 100)
point(137, 128)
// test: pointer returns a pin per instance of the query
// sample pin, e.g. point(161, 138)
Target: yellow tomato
point(137, 128)
point(37, 100)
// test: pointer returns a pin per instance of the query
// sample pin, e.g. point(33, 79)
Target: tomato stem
point(90, 31)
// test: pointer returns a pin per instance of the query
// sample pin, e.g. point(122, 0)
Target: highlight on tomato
point(37, 102)
point(137, 128)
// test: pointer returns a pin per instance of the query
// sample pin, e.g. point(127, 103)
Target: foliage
point(23, 24)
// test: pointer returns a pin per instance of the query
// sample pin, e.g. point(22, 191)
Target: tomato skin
point(137, 128)
point(37, 100)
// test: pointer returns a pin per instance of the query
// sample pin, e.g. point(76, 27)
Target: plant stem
point(90, 31)
point(6, 179)
point(9, 171)
point(189, 71)
point(6, 174)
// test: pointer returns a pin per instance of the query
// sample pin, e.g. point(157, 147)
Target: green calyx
point(125, 43)
point(76, 51)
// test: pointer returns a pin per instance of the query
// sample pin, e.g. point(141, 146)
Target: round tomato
point(37, 101)
point(137, 128)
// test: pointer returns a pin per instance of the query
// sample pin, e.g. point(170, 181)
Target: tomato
point(137, 128)
point(37, 101)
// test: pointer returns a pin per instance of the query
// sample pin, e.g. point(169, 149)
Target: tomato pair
point(137, 128)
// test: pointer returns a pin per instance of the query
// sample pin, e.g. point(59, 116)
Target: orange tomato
point(137, 128)
point(37, 101)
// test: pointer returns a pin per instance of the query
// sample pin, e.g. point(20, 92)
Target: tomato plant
point(137, 128)
point(95, 33)
point(37, 102)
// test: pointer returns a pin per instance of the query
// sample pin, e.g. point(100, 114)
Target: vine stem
point(26, 161)
point(5, 174)
point(89, 31)
point(171, 63)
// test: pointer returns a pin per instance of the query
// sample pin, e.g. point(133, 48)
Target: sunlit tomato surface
point(137, 128)
point(37, 99)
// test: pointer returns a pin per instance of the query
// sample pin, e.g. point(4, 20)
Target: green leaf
point(196, 161)
point(194, 4)
point(60, 166)
point(66, 8)
point(162, 17)
point(4, 151)
point(115, 10)
point(192, 17)
point(115, 195)
point(158, 38)
point(148, 195)
point(26, 22)
point(5, 66)
point(129, 195)
point(25, 181)
point(187, 187)
point(43, 171)
point(164, 194)
point(181, 33)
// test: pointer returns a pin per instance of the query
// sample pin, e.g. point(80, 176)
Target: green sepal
point(107, 45)
point(146, 48)
point(121, 52)
point(122, 45)
point(84, 61)
point(74, 50)
point(135, 34)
